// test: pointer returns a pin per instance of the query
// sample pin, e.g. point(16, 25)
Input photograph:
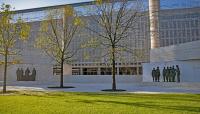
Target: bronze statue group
point(170, 74)
point(27, 76)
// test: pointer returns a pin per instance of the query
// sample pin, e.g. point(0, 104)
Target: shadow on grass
point(111, 90)
point(188, 97)
point(96, 94)
point(146, 105)
point(8, 92)
point(58, 87)
point(172, 97)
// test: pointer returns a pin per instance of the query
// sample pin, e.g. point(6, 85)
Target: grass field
point(98, 103)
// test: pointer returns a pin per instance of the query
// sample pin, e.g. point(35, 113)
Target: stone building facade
point(167, 28)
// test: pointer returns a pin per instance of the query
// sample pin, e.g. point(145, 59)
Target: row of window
point(173, 34)
point(103, 64)
point(164, 16)
point(167, 42)
point(107, 71)
point(180, 24)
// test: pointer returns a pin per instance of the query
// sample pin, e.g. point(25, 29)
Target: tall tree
point(56, 34)
point(12, 29)
point(115, 19)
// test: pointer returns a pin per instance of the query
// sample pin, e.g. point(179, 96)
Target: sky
point(28, 4)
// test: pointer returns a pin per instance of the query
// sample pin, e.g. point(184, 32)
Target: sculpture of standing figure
point(158, 74)
point(170, 74)
point(178, 73)
point(18, 74)
point(153, 73)
point(170, 71)
point(21, 74)
point(33, 74)
point(164, 74)
point(167, 74)
point(173, 74)
point(27, 72)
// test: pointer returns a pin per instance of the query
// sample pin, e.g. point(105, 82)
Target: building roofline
point(78, 4)
point(58, 6)
point(54, 7)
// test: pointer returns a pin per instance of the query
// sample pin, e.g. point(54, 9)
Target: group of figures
point(27, 76)
point(170, 74)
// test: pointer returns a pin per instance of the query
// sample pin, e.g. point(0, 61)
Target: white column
point(99, 71)
point(118, 70)
point(154, 7)
point(81, 71)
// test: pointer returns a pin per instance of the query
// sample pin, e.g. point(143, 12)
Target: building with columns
point(166, 36)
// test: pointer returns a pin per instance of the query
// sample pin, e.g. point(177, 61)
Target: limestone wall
point(45, 75)
point(190, 70)
point(43, 72)
point(102, 79)
point(186, 55)
point(186, 51)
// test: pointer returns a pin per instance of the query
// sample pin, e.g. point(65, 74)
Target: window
point(90, 71)
point(174, 24)
point(167, 33)
point(183, 33)
point(167, 42)
point(171, 33)
point(130, 71)
point(196, 23)
point(175, 41)
point(179, 24)
point(162, 42)
point(197, 32)
point(188, 33)
point(76, 71)
point(175, 33)
point(56, 70)
point(187, 24)
point(107, 71)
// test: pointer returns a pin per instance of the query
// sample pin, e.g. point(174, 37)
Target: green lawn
point(98, 103)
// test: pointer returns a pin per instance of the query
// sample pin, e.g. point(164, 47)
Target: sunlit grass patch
point(32, 102)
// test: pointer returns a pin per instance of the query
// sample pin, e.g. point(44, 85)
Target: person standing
point(158, 74)
point(178, 73)
point(164, 74)
point(153, 73)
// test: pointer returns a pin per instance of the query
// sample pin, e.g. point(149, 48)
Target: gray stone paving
point(152, 88)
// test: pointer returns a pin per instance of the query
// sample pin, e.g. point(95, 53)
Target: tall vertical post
point(118, 70)
point(98, 71)
point(81, 71)
point(64, 26)
point(154, 7)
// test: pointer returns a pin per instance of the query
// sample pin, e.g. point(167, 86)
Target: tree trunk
point(5, 71)
point(113, 70)
point(61, 74)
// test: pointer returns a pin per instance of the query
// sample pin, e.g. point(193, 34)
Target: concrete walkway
point(152, 88)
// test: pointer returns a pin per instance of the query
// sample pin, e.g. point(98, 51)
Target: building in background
point(167, 35)
point(179, 41)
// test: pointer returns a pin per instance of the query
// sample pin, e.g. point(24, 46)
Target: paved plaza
point(152, 88)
